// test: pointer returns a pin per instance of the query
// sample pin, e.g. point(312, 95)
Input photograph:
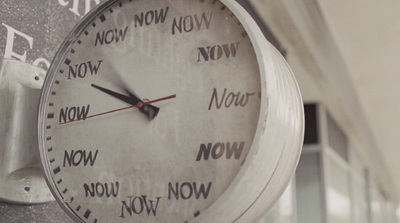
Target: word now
point(151, 17)
point(100, 189)
point(230, 99)
point(138, 204)
point(75, 158)
point(217, 52)
point(110, 36)
point(189, 23)
point(219, 149)
point(187, 190)
point(68, 114)
point(81, 70)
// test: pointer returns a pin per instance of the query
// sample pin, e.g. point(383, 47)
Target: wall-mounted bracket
point(21, 176)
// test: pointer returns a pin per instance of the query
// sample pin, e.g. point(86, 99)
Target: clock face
point(149, 111)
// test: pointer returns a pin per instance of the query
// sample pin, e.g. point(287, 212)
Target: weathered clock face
point(149, 111)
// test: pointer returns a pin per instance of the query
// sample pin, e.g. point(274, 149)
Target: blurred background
point(345, 57)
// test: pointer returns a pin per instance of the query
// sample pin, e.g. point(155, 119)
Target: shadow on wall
point(49, 212)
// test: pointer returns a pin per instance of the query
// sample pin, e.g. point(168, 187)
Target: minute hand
point(149, 110)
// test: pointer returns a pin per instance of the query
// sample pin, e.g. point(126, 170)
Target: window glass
point(310, 208)
point(338, 192)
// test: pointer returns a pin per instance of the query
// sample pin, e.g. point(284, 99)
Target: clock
point(168, 111)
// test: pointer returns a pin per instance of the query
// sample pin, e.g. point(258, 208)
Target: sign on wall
point(32, 30)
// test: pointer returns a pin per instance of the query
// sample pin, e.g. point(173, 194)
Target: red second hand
point(138, 105)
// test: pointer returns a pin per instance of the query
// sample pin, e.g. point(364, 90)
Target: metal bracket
point(21, 176)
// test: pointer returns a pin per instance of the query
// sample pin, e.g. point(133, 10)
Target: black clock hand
point(149, 110)
point(117, 95)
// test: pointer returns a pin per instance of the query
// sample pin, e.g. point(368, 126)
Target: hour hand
point(149, 110)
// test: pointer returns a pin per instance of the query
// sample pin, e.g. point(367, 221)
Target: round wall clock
point(169, 111)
